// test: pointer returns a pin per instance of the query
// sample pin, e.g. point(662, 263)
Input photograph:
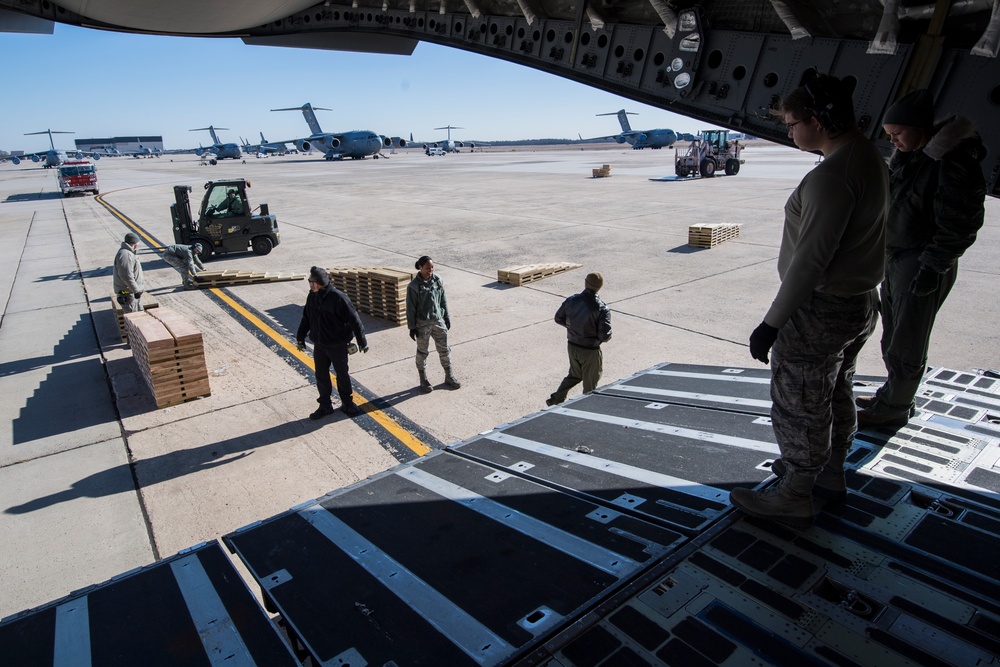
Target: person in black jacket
point(588, 324)
point(936, 207)
point(331, 321)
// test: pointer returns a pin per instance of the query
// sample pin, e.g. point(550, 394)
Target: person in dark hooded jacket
point(936, 207)
point(331, 321)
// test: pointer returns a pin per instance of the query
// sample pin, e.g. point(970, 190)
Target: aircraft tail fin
point(307, 113)
point(622, 118)
point(211, 129)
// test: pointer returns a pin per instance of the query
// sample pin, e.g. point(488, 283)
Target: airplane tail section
point(622, 118)
point(308, 113)
point(211, 129)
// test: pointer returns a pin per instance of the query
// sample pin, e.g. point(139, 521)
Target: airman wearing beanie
point(594, 281)
point(913, 110)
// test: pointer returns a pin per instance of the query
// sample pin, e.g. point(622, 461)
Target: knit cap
point(594, 281)
point(131, 238)
point(913, 110)
point(320, 275)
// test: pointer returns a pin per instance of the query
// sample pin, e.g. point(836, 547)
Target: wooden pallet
point(231, 277)
point(603, 172)
point(709, 236)
point(170, 353)
point(377, 291)
point(147, 300)
point(520, 275)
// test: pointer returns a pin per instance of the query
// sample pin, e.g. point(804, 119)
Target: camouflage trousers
point(439, 332)
point(812, 372)
point(907, 321)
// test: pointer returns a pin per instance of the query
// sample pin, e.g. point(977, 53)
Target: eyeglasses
point(315, 282)
point(801, 120)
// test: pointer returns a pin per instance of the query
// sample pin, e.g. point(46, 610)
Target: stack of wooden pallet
point(376, 291)
point(147, 302)
point(234, 277)
point(603, 172)
point(519, 275)
point(170, 354)
point(709, 236)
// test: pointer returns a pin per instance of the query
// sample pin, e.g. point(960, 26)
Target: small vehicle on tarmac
point(225, 222)
point(711, 152)
point(77, 176)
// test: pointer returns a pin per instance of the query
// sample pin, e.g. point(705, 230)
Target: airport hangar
point(903, 573)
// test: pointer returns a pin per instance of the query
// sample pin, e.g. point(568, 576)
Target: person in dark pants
point(588, 324)
point(832, 258)
point(936, 207)
point(331, 321)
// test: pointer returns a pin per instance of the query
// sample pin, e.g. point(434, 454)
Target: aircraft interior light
point(676, 64)
point(682, 80)
point(687, 21)
point(691, 43)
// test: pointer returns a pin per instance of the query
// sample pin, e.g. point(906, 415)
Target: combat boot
point(789, 501)
point(883, 414)
point(831, 484)
point(451, 380)
point(866, 401)
point(425, 384)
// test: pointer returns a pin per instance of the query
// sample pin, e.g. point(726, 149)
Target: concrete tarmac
point(95, 480)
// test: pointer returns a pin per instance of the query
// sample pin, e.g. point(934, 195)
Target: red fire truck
point(77, 176)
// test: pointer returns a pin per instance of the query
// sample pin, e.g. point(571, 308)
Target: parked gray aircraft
point(264, 148)
point(639, 139)
point(52, 157)
point(356, 144)
point(447, 146)
point(220, 150)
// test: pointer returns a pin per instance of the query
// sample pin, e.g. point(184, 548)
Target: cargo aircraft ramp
point(594, 533)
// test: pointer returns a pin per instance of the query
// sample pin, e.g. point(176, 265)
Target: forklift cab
point(218, 203)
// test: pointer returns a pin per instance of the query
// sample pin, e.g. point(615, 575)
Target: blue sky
point(98, 84)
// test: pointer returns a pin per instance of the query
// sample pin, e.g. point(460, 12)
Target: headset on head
point(832, 103)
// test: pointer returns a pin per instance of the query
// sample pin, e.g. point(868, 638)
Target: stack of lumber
point(170, 354)
point(603, 172)
point(709, 236)
point(234, 277)
point(147, 301)
point(519, 275)
point(376, 291)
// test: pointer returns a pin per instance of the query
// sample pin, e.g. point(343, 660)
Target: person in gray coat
point(128, 281)
point(588, 324)
point(185, 261)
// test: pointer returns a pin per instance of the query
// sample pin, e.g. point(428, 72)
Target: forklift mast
point(180, 213)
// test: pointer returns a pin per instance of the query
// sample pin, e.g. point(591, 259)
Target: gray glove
point(300, 345)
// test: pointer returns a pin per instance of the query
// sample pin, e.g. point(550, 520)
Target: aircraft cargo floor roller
point(598, 533)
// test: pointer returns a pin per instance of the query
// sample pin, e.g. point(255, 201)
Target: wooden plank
point(519, 275)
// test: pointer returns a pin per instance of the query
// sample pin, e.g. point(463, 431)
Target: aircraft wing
point(610, 136)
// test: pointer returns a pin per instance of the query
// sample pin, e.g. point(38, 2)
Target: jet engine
point(35, 158)
point(96, 156)
point(303, 146)
point(621, 139)
point(15, 160)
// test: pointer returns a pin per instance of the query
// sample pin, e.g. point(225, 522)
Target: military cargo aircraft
point(356, 144)
point(218, 149)
point(639, 139)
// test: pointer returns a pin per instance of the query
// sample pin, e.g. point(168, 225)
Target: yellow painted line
point(384, 420)
point(128, 223)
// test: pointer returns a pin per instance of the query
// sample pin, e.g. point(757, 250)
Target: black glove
point(925, 282)
point(761, 340)
point(365, 349)
point(447, 324)
point(413, 334)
